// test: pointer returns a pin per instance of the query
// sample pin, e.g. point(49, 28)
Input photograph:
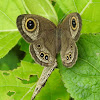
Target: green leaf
point(59, 12)
point(7, 41)
point(24, 46)
point(9, 35)
point(19, 84)
point(42, 8)
point(14, 81)
point(10, 61)
point(28, 58)
point(89, 11)
point(83, 79)
point(54, 89)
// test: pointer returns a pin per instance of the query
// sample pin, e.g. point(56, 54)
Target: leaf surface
point(18, 84)
point(89, 11)
point(83, 79)
point(42, 8)
point(9, 35)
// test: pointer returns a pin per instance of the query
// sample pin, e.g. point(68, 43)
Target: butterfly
point(47, 40)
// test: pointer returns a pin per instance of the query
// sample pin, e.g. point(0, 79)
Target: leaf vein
point(90, 64)
point(86, 7)
point(28, 91)
point(8, 43)
point(75, 6)
point(7, 17)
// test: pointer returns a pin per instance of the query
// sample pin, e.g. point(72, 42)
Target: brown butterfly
point(47, 40)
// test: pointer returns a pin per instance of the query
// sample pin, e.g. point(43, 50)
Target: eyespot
point(67, 57)
point(70, 56)
point(74, 23)
point(42, 54)
point(38, 46)
point(71, 46)
point(46, 57)
point(30, 24)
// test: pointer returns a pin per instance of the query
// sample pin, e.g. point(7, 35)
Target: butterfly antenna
point(64, 16)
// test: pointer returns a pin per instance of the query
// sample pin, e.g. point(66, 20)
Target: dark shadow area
point(10, 93)
point(11, 60)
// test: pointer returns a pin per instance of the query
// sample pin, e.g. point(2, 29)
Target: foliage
point(82, 81)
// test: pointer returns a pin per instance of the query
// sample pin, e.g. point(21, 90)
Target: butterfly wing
point(70, 32)
point(41, 33)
